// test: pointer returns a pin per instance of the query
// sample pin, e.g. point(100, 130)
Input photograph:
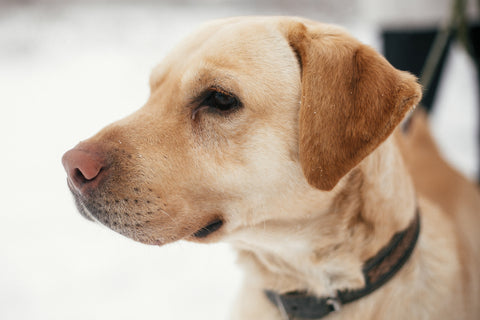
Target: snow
point(65, 72)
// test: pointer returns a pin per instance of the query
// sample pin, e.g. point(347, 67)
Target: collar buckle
point(334, 303)
point(281, 306)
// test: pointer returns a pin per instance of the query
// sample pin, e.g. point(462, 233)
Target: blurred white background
point(69, 68)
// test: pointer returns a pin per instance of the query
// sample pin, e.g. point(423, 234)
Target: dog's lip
point(210, 228)
point(202, 233)
point(79, 203)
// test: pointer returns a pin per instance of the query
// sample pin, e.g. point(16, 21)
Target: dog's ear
point(351, 100)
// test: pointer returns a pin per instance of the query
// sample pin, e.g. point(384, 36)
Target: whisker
point(170, 217)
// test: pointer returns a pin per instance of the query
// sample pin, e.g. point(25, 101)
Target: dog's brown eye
point(216, 101)
point(221, 101)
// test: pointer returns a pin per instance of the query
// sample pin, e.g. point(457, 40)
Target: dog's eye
point(221, 101)
point(217, 101)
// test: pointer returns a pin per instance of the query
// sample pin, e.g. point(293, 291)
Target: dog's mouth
point(129, 224)
point(213, 226)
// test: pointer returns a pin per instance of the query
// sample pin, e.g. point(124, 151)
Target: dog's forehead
point(220, 46)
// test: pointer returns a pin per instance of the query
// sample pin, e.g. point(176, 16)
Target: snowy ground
point(65, 72)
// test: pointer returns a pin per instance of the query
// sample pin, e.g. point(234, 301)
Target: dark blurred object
point(409, 49)
point(423, 51)
point(474, 34)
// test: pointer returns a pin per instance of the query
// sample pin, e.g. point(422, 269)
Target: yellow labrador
point(277, 135)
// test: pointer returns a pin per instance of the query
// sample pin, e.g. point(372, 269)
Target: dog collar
point(376, 271)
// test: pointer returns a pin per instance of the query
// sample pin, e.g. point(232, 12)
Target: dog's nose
point(84, 167)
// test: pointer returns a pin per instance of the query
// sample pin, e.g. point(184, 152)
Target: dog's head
point(248, 120)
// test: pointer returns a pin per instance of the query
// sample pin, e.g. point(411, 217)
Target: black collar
point(376, 271)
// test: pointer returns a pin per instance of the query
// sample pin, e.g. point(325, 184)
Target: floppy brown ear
point(352, 99)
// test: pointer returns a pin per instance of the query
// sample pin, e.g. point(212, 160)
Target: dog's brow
point(198, 83)
point(208, 89)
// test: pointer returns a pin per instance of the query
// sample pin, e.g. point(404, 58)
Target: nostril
point(83, 167)
point(86, 173)
point(78, 175)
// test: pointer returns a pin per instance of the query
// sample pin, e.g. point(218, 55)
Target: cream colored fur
point(245, 168)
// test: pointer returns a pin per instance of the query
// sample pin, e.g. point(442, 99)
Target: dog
point(280, 136)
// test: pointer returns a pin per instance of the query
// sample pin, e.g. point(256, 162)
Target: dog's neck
point(326, 251)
